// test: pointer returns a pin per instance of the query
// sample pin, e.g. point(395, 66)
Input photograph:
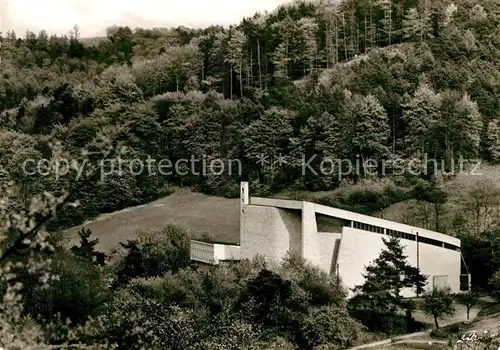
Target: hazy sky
point(93, 16)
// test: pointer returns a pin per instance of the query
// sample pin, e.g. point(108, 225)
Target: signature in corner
point(474, 336)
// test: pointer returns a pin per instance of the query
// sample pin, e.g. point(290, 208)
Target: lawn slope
point(195, 212)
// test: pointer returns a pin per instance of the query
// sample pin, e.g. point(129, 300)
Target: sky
point(94, 16)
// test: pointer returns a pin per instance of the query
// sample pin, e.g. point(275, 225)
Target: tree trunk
point(231, 82)
point(260, 68)
point(345, 37)
point(436, 322)
point(328, 46)
point(249, 70)
point(286, 57)
point(372, 32)
point(336, 41)
point(394, 133)
point(437, 214)
point(357, 39)
point(366, 34)
point(241, 79)
point(390, 23)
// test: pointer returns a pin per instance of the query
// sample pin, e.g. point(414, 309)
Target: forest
point(402, 83)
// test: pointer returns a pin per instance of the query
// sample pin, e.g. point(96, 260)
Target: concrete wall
point(326, 223)
point(359, 248)
point(269, 231)
point(227, 252)
point(350, 216)
point(213, 253)
point(273, 227)
point(326, 243)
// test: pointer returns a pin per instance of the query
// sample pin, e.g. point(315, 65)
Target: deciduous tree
point(438, 304)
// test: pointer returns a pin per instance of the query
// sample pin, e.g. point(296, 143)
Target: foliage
point(330, 325)
point(86, 250)
point(367, 198)
point(380, 295)
point(468, 299)
point(79, 291)
point(438, 304)
point(494, 283)
point(155, 253)
point(480, 254)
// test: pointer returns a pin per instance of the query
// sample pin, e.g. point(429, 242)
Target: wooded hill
point(425, 84)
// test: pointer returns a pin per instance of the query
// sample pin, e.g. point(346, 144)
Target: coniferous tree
point(390, 273)
point(413, 26)
point(468, 125)
point(379, 297)
point(266, 141)
point(449, 13)
point(86, 250)
point(362, 129)
point(309, 27)
point(236, 55)
point(421, 113)
point(460, 126)
point(494, 141)
point(387, 22)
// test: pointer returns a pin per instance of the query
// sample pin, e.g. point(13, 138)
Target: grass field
point(195, 212)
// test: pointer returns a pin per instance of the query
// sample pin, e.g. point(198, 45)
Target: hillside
point(195, 212)
point(312, 83)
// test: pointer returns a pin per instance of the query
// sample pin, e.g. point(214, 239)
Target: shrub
point(78, 293)
point(86, 251)
point(446, 331)
point(330, 325)
point(155, 253)
point(366, 198)
point(494, 283)
point(135, 322)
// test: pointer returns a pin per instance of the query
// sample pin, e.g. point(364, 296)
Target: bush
point(330, 325)
point(155, 253)
point(494, 283)
point(133, 322)
point(489, 310)
point(387, 323)
point(183, 288)
point(446, 331)
point(368, 198)
point(78, 293)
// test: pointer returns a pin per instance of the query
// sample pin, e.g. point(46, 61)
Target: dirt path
point(491, 324)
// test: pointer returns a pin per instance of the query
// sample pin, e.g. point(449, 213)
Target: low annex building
point(337, 241)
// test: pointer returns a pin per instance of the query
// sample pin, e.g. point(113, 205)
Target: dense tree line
point(286, 85)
